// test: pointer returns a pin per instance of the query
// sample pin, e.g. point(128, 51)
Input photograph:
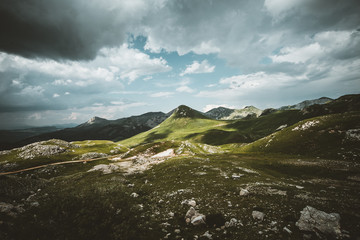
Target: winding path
point(54, 164)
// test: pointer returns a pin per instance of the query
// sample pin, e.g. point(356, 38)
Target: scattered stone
point(198, 220)
point(244, 192)
point(105, 168)
point(193, 217)
point(258, 215)
point(190, 202)
point(299, 187)
point(10, 210)
point(39, 149)
point(306, 125)
point(165, 224)
point(273, 191)
point(317, 221)
point(167, 236)
point(353, 134)
point(232, 223)
point(190, 213)
point(287, 230)
point(281, 127)
point(92, 155)
point(134, 195)
point(171, 214)
point(177, 231)
point(131, 185)
point(35, 204)
point(167, 153)
point(207, 235)
point(237, 176)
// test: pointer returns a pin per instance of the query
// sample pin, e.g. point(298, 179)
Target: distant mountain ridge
point(98, 128)
point(222, 113)
point(307, 103)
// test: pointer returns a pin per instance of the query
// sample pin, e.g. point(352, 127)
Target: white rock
point(244, 192)
point(190, 202)
point(197, 220)
point(237, 176)
point(258, 215)
point(167, 153)
point(134, 195)
point(207, 235)
point(190, 213)
point(287, 230)
point(312, 219)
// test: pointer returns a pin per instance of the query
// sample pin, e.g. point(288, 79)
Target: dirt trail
point(54, 164)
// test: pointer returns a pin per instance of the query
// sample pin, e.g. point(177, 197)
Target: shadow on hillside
point(155, 136)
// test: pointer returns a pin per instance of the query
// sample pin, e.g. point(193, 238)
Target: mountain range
point(98, 128)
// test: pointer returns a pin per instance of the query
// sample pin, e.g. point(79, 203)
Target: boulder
point(244, 192)
point(320, 222)
point(258, 215)
point(195, 218)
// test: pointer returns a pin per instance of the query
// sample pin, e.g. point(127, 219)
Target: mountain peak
point(186, 112)
point(95, 120)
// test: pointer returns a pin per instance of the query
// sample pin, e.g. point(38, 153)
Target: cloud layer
point(68, 58)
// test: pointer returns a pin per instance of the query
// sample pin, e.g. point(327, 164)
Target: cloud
point(132, 64)
point(196, 67)
point(79, 28)
point(55, 95)
point(298, 55)
point(185, 89)
point(162, 94)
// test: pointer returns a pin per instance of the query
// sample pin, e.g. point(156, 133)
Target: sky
point(67, 61)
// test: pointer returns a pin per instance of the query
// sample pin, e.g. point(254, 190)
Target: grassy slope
point(215, 132)
point(73, 152)
point(175, 128)
point(327, 138)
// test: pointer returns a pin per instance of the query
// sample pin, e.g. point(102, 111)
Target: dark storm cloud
point(63, 29)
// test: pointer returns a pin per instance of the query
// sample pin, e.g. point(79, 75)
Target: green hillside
point(188, 124)
point(181, 125)
point(335, 136)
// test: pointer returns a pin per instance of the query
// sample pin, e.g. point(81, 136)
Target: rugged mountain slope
point(334, 136)
point(307, 103)
point(102, 129)
point(219, 113)
point(222, 113)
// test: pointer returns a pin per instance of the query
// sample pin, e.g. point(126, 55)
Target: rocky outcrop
point(92, 155)
point(195, 218)
point(320, 222)
point(44, 149)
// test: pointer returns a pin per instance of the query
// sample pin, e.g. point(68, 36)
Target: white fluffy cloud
point(196, 67)
point(116, 63)
point(162, 94)
point(298, 55)
point(185, 89)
